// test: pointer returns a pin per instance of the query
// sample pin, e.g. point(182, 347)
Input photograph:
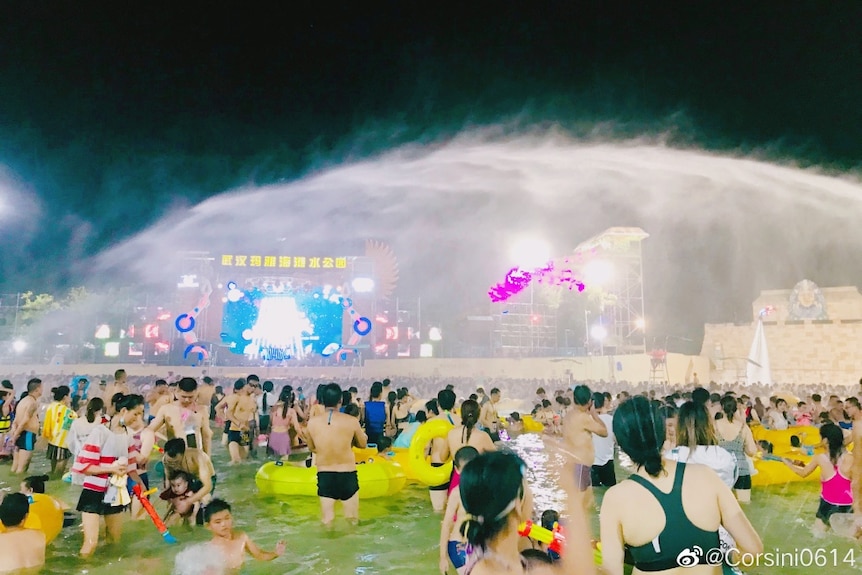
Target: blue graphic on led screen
point(280, 325)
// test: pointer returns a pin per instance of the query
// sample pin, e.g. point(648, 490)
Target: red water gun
point(553, 539)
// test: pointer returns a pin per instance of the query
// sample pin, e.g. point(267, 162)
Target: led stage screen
point(289, 324)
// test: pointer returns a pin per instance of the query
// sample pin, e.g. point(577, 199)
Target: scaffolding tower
point(524, 328)
point(619, 252)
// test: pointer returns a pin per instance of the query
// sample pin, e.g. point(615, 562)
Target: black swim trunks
point(339, 485)
point(241, 437)
point(443, 486)
point(26, 441)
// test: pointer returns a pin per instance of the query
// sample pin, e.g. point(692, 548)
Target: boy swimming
point(234, 544)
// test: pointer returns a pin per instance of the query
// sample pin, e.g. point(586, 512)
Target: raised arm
point(262, 555)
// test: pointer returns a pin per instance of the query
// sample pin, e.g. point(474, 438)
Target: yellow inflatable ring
point(46, 516)
point(531, 425)
point(377, 479)
point(421, 468)
point(780, 438)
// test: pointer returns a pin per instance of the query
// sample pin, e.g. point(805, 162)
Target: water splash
point(721, 228)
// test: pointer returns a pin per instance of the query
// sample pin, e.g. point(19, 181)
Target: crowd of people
point(690, 449)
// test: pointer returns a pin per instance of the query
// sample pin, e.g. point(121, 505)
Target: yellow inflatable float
point(771, 472)
point(46, 515)
point(377, 479)
point(531, 424)
point(420, 464)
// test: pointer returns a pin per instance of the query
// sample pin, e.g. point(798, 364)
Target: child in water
point(182, 487)
point(234, 544)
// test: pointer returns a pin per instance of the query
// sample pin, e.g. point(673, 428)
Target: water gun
point(553, 539)
point(157, 521)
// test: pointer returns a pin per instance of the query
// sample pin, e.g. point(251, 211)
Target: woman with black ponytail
point(463, 435)
point(666, 509)
point(836, 475)
point(496, 499)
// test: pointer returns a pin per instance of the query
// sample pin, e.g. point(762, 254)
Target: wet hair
point(582, 395)
point(446, 399)
point(287, 398)
point(535, 557)
point(175, 446)
point(376, 390)
point(835, 439)
point(515, 416)
point(119, 373)
point(640, 432)
point(346, 398)
point(599, 399)
point(386, 382)
point(160, 382)
point(465, 455)
point(794, 441)
point(188, 384)
point(207, 380)
point(268, 386)
point(116, 397)
point(495, 390)
point(252, 378)
point(693, 426)
point(352, 409)
point(402, 393)
point(815, 397)
point(61, 392)
point(238, 384)
point(180, 474)
point(490, 508)
point(129, 402)
point(213, 507)
point(469, 418)
point(383, 444)
point(431, 405)
point(540, 391)
point(549, 517)
point(854, 402)
point(36, 483)
point(199, 559)
point(33, 384)
point(714, 397)
point(474, 397)
point(331, 395)
point(14, 509)
point(700, 395)
point(94, 406)
point(421, 417)
point(728, 407)
point(546, 403)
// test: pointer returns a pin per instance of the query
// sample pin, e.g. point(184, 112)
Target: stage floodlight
point(599, 332)
point(426, 350)
point(531, 253)
point(362, 285)
point(19, 345)
point(435, 334)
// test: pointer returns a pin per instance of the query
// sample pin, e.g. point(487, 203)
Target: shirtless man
point(25, 427)
point(205, 393)
point(194, 462)
point(240, 408)
point(578, 429)
point(440, 448)
point(331, 438)
point(185, 418)
point(159, 397)
point(234, 544)
point(20, 548)
point(489, 418)
point(119, 385)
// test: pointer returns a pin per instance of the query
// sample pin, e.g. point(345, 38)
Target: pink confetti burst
point(517, 281)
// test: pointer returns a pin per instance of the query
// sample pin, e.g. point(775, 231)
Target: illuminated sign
point(188, 281)
point(283, 262)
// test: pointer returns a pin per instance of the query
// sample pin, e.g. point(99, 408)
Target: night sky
point(112, 116)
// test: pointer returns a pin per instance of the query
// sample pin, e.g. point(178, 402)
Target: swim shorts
point(26, 441)
point(339, 485)
point(94, 502)
point(582, 476)
point(743, 482)
point(441, 487)
point(457, 553)
point(826, 510)
point(241, 437)
point(58, 453)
